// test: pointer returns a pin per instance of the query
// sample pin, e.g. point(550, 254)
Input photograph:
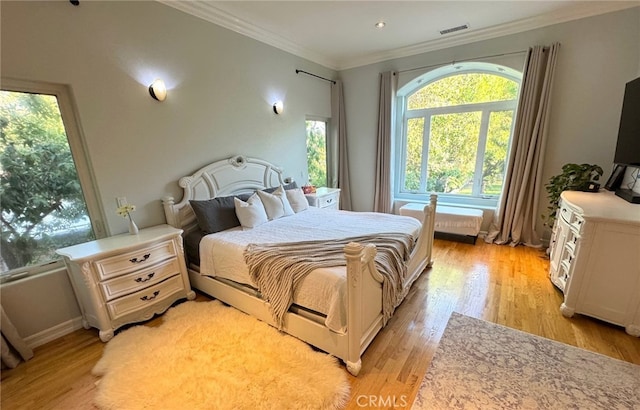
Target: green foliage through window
point(42, 203)
point(317, 152)
point(456, 135)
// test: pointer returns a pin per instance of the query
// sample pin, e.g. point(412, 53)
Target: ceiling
point(342, 34)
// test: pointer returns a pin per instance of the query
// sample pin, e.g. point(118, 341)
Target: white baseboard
point(53, 333)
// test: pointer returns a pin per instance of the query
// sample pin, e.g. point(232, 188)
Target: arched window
point(455, 125)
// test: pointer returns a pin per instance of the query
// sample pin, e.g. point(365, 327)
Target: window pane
point(453, 145)
point(413, 165)
point(495, 155)
point(317, 152)
point(42, 203)
point(463, 89)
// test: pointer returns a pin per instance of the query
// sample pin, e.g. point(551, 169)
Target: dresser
point(595, 257)
point(127, 278)
point(325, 198)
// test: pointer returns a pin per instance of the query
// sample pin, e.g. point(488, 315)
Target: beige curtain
point(338, 168)
point(383, 193)
point(13, 348)
point(515, 222)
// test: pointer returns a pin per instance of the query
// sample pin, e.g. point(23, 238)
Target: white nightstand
point(328, 198)
point(127, 278)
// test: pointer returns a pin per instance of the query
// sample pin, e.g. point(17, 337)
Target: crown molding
point(207, 11)
point(584, 11)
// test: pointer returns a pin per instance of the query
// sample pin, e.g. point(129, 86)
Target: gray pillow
point(292, 185)
point(216, 214)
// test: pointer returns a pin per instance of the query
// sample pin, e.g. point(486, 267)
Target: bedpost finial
point(184, 182)
point(168, 200)
point(353, 250)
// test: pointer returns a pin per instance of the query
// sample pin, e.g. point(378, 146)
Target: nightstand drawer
point(146, 297)
point(135, 260)
point(329, 201)
point(327, 198)
point(137, 280)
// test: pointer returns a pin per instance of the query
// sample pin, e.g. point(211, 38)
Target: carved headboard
point(235, 175)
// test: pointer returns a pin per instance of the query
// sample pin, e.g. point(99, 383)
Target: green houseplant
point(574, 177)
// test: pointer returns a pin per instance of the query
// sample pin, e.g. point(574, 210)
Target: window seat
point(452, 223)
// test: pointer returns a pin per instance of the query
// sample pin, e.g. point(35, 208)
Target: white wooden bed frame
point(241, 174)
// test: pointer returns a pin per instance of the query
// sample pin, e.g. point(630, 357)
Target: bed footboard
point(364, 293)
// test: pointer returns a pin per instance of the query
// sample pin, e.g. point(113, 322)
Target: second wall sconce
point(158, 90)
point(278, 107)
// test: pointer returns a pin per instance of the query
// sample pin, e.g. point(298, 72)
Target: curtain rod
point(311, 74)
point(462, 61)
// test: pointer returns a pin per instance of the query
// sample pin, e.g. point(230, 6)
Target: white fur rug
point(208, 356)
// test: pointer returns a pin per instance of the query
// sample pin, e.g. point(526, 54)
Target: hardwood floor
point(501, 284)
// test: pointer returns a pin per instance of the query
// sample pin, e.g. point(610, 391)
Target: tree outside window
point(317, 152)
point(43, 207)
point(455, 135)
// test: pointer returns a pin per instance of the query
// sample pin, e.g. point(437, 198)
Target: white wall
point(221, 89)
point(598, 56)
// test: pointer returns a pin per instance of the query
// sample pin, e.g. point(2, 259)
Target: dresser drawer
point(146, 297)
point(134, 260)
point(132, 282)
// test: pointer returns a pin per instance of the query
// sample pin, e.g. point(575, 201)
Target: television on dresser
point(628, 146)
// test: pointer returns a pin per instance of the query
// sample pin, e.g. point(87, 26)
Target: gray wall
point(598, 56)
point(221, 89)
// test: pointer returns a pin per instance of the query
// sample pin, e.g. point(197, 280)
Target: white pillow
point(250, 213)
point(276, 204)
point(297, 199)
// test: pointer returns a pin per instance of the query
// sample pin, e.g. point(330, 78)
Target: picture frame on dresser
point(615, 179)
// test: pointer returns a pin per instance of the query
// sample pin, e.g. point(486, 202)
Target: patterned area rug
point(208, 356)
point(480, 365)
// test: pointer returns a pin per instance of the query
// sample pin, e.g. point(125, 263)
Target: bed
point(352, 307)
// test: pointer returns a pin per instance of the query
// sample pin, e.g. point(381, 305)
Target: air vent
point(454, 29)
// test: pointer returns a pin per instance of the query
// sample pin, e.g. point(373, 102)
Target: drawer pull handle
point(136, 260)
point(155, 295)
point(329, 200)
point(149, 276)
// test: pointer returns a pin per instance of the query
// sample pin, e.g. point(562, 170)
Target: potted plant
point(574, 177)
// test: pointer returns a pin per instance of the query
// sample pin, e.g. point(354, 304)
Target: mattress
point(323, 291)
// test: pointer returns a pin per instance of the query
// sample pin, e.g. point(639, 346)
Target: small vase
point(133, 228)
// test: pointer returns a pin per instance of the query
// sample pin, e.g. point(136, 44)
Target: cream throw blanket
point(277, 268)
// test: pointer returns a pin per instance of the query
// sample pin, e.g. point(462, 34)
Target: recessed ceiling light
point(380, 24)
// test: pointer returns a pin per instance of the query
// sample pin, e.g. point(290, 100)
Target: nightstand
point(127, 278)
point(328, 198)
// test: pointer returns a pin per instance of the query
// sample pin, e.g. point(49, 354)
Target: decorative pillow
point(291, 185)
point(250, 213)
point(276, 204)
point(297, 200)
point(216, 214)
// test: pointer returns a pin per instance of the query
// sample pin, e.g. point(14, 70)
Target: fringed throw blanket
point(277, 268)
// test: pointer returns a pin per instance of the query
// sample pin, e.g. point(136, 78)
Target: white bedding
point(221, 254)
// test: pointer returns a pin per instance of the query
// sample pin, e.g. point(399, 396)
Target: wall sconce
point(158, 90)
point(278, 107)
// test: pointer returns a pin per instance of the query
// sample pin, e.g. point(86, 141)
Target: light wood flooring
point(501, 284)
